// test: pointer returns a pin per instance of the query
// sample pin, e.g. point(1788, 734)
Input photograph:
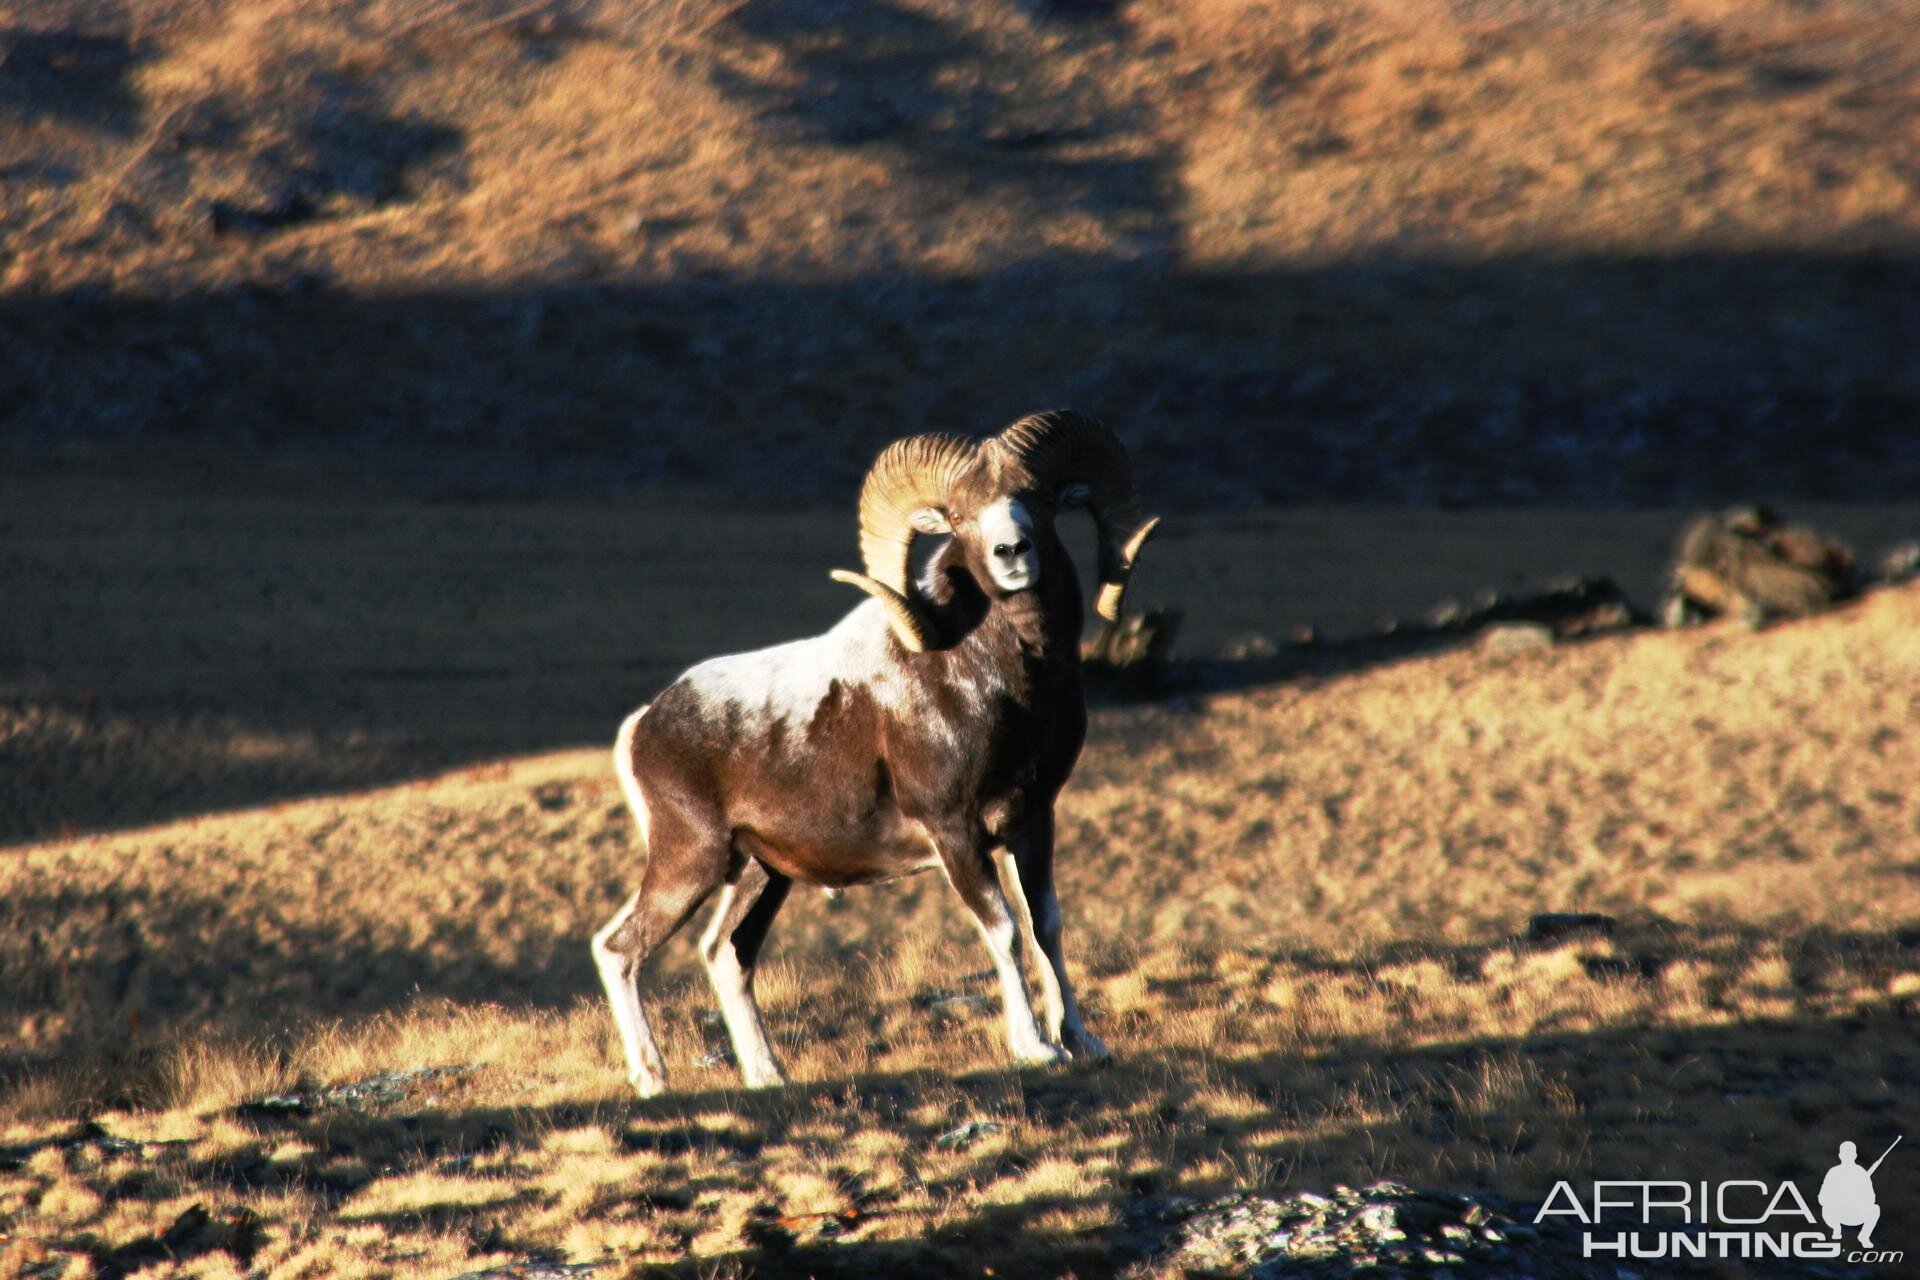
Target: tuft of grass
point(207, 1075)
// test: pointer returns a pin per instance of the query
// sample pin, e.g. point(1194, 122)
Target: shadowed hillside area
point(1420, 252)
point(395, 393)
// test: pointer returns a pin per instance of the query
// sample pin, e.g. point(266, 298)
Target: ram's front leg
point(1026, 871)
point(963, 856)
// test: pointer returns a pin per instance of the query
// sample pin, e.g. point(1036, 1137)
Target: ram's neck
point(1040, 624)
point(1032, 620)
point(1035, 634)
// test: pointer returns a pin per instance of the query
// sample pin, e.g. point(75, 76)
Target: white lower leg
point(645, 1070)
point(1023, 1033)
point(1051, 1005)
point(1070, 1031)
point(758, 1067)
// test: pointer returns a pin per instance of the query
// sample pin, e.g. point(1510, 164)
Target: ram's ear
point(930, 520)
point(1073, 497)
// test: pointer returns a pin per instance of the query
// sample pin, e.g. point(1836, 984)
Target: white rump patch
point(623, 769)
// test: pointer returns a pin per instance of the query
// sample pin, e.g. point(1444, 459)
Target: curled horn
point(909, 476)
point(1062, 447)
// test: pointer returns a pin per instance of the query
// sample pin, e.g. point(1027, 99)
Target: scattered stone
point(1901, 563)
point(1566, 608)
point(1385, 1228)
point(50, 1267)
point(1551, 926)
point(940, 1000)
point(1747, 563)
point(1615, 615)
point(963, 1136)
point(93, 1133)
point(87, 1133)
point(1255, 646)
point(1516, 637)
point(532, 1269)
point(1677, 611)
point(1383, 1222)
point(384, 1089)
point(1569, 606)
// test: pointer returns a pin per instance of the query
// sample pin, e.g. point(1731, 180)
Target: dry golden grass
point(1293, 911)
point(1250, 131)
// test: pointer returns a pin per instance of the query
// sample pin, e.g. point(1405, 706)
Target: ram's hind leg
point(684, 864)
point(750, 900)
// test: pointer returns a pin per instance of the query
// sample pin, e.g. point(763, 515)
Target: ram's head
point(998, 498)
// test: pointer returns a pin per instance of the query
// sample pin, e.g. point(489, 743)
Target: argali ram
point(932, 727)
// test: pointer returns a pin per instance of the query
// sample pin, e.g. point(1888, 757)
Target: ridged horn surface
point(1062, 447)
point(909, 475)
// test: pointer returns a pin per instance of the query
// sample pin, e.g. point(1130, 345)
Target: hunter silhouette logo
point(1846, 1197)
point(1735, 1218)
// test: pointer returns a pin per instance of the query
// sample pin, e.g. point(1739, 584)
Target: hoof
point(648, 1086)
point(1040, 1055)
point(1086, 1046)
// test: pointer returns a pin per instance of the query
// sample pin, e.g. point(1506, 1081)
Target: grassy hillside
point(1298, 913)
point(1416, 251)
